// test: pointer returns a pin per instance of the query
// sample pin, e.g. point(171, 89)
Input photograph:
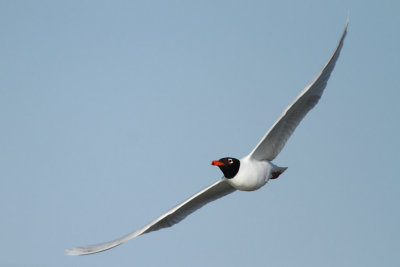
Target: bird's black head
point(229, 166)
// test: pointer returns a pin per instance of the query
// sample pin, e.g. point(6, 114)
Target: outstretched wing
point(171, 217)
point(274, 140)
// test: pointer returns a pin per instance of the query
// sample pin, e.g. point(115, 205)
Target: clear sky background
point(111, 112)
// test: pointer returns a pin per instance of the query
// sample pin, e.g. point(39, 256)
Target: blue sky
point(111, 113)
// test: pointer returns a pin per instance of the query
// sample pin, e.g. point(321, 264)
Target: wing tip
point(345, 26)
point(79, 251)
point(73, 252)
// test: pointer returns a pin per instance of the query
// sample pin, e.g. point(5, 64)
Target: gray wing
point(274, 140)
point(171, 217)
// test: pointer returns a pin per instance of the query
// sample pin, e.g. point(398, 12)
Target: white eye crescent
point(230, 161)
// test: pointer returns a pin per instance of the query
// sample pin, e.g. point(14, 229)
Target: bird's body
point(253, 174)
point(247, 174)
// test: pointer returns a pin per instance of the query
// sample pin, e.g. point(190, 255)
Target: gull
point(248, 173)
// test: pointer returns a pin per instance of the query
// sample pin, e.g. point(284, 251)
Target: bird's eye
point(230, 161)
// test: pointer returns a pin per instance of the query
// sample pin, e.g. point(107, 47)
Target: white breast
point(252, 174)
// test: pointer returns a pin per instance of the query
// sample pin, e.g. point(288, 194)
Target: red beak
point(216, 163)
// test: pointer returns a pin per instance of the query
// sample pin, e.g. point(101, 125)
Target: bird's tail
point(277, 171)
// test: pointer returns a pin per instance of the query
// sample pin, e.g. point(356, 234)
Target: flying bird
point(248, 173)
